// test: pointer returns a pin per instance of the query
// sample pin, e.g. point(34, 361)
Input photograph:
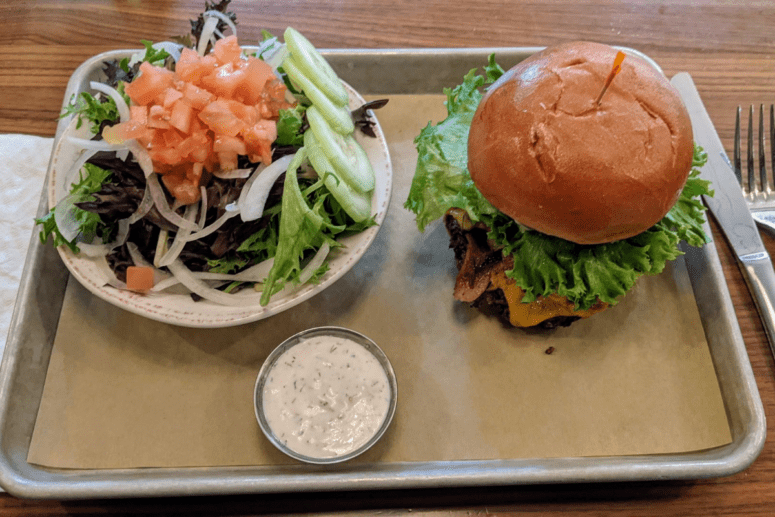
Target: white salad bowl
point(179, 308)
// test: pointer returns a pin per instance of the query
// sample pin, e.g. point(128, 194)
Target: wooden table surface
point(728, 47)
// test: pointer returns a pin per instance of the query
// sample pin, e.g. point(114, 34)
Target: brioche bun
point(543, 152)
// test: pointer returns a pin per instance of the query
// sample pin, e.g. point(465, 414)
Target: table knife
point(730, 209)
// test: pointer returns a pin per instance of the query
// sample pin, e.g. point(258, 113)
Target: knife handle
point(760, 277)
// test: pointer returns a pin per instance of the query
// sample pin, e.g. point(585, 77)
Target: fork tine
point(772, 139)
point(762, 145)
point(737, 159)
point(749, 154)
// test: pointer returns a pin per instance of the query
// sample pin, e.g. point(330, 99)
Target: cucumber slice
point(344, 152)
point(356, 204)
point(339, 117)
point(315, 66)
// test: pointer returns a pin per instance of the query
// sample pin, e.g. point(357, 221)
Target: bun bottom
point(482, 281)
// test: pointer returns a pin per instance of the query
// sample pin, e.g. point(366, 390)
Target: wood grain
point(728, 47)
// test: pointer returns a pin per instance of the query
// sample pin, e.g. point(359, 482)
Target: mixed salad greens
point(215, 167)
point(544, 264)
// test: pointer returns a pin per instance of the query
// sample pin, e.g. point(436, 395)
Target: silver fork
point(759, 194)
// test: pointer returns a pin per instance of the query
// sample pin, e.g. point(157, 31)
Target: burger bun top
point(543, 152)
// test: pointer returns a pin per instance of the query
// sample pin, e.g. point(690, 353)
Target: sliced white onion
point(314, 264)
point(122, 154)
point(123, 108)
point(202, 207)
point(93, 250)
point(246, 187)
point(225, 19)
point(207, 230)
point(207, 31)
point(270, 44)
point(63, 187)
point(121, 235)
point(108, 276)
point(172, 48)
point(137, 257)
point(233, 174)
point(64, 215)
point(181, 237)
point(195, 282)
point(161, 247)
point(160, 201)
point(97, 250)
point(276, 58)
point(96, 145)
point(141, 155)
point(143, 208)
point(257, 273)
point(305, 274)
point(199, 287)
point(251, 205)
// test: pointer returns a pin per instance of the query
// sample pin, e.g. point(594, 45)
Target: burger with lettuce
point(557, 199)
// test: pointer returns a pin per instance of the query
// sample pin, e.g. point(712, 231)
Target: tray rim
point(30, 481)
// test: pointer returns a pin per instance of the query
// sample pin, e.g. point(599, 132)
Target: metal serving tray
point(422, 71)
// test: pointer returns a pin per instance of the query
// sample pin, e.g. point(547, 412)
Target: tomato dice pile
point(202, 116)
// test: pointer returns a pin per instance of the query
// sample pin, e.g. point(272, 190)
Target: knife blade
point(730, 209)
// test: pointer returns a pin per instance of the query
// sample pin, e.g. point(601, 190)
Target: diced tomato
point(187, 65)
point(224, 81)
point(181, 115)
point(150, 84)
point(219, 118)
point(172, 138)
point(139, 278)
point(192, 68)
point(262, 130)
point(196, 147)
point(230, 144)
point(256, 75)
point(196, 97)
point(228, 160)
point(227, 50)
point(247, 114)
point(171, 95)
point(259, 138)
point(179, 185)
point(168, 155)
point(203, 116)
point(158, 117)
point(139, 114)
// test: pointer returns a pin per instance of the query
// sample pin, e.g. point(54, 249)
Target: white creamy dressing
point(326, 396)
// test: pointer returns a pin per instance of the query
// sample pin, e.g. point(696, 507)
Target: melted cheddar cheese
point(533, 313)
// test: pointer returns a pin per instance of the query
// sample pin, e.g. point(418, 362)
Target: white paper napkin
point(23, 163)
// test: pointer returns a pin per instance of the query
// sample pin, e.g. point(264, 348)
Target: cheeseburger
point(557, 199)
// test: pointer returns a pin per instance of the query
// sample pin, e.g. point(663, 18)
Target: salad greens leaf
point(289, 126)
point(544, 264)
point(299, 231)
point(492, 70)
point(441, 180)
point(152, 55)
point(86, 106)
point(311, 217)
point(269, 43)
point(90, 223)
